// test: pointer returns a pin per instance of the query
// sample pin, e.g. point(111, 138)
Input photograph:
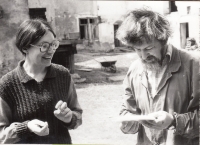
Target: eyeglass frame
point(50, 44)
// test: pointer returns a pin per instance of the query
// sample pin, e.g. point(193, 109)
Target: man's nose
point(143, 55)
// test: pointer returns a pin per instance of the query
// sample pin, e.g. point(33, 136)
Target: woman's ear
point(25, 50)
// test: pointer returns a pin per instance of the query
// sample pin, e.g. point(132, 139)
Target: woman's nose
point(51, 49)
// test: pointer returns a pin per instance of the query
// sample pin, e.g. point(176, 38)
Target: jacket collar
point(175, 62)
point(24, 77)
point(172, 67)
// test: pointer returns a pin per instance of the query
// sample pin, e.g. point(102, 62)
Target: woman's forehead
point(48, 37)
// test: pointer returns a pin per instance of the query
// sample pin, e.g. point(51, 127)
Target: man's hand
point(162, 120)
point(38, 127)
point(63, 113)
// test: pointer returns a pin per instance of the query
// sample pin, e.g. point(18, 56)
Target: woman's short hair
point(30, 32)
point(143, 24)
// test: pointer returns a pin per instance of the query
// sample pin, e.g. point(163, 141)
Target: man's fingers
point(58, 105)
point(159, 119)
point(147, 123)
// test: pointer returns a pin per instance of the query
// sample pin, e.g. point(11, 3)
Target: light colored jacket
point(178, 91)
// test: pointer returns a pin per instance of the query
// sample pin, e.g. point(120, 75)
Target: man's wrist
point(173, 124)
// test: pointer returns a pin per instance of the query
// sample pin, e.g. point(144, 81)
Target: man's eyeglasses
point(44, 47)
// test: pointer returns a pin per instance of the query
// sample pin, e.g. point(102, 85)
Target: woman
point(38, 100)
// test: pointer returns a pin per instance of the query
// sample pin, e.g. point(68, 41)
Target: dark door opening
point(184, 33)
point(37, 13)
point(173, 6)
point(116, 41)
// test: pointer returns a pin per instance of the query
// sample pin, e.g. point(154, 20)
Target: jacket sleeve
point(129, 107)
point(10, 132)
point(74, 105)
point(187, 124)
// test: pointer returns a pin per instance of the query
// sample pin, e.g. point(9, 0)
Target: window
point(188, 10)
point(88, 28)
point(37, 13)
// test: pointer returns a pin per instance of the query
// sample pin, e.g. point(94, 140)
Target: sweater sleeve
point(10, 132)
point(74, 105)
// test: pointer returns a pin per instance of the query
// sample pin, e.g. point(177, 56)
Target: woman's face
point(36, 57)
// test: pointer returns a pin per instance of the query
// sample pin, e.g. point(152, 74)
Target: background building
point(89, 23)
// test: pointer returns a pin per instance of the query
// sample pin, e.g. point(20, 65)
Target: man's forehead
point(143, 45)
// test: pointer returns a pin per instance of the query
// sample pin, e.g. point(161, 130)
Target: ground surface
point(101, 99)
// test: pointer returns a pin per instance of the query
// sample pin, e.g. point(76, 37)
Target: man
point(163, 83)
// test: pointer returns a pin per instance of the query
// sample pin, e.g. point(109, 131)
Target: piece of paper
point(133, 118)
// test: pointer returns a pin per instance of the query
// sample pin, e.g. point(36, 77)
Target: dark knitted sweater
point(29, 99)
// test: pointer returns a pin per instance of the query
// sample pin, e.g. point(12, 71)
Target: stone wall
point(14, 12)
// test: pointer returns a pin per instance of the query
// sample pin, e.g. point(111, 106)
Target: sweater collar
point(24, 77)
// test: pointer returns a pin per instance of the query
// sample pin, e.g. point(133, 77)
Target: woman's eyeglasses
point(44, 47)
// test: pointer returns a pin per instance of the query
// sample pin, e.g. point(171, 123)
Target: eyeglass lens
point(46, 45)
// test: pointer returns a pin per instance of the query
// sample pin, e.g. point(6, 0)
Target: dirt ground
point(101, 99)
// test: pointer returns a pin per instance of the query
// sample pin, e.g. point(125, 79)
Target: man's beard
point(154, 65)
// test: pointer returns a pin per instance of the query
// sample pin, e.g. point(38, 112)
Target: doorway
point(116, 41)
point(184, 34)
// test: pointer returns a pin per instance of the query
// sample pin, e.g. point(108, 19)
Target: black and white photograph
point(104, 72)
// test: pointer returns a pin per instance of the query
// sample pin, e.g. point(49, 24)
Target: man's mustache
point(150, 58)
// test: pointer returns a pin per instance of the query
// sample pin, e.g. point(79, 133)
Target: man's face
point(189, 43)
point(150, 54)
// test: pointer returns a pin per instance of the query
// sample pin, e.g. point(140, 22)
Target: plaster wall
point(113, 11)
point(182, 16)
point(68, 12)
point(50, 9)
point(14, 12)
point(64, 14)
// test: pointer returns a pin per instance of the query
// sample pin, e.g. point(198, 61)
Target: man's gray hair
point(143, 24)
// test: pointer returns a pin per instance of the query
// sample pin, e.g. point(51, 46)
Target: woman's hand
point(38, 127)
point(162, 120)
point(63, 113)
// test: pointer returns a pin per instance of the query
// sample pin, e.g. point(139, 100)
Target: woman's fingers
point(63, 106)
point(58, 105)
point(40, 123)
point(38, 127)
